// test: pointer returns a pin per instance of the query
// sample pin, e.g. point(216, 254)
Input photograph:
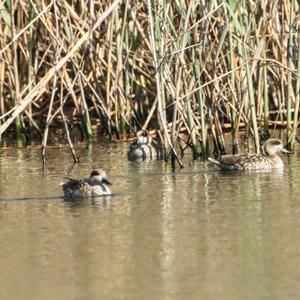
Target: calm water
point(197, 233)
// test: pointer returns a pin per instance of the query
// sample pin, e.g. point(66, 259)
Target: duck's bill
point(105, 180)
point(283, 150)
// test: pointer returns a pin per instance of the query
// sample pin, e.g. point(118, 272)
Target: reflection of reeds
point(199, 67)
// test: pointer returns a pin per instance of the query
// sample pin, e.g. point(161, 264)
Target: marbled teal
point(267, 161)
point(95, 185)
point(144, 147)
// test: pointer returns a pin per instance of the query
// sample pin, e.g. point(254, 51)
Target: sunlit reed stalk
point(75, 158)
point(2, 74)
point(250, 92)
point(297, 94)
point(159, 43)
point(202, 113)
point(30, 62)
point(127, 79)
point(265, 85)
point(289, 75)
point(233, 106)
point(108, 83)
point(190, 113)
point(85, 113)
point(15, 59)
point(118, 83)
point(46, 130)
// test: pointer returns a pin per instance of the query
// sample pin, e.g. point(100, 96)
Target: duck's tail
point(214, 161)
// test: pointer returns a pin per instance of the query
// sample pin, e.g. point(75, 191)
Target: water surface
point(195, 233)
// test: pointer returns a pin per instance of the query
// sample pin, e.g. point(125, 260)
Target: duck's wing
point(75, 183)
point(214, 161)
point(68, 178)
point(246, 162)
point(231, 162)
point(62, 183)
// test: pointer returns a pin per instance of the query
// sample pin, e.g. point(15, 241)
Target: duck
point(94, 185)
point(144, 137)
point(144, 147)
point(267, 161)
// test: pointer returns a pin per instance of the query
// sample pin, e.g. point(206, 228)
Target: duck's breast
point(101, 189)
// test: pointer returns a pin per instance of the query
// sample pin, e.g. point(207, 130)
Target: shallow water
point(197, 233)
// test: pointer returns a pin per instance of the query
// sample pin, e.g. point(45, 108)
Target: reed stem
point(289, 75)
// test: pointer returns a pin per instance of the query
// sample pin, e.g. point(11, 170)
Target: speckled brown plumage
point(255, 161)
point(95, 185)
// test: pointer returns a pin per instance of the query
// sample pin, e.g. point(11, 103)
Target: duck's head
point(98, 176)
point(143, 137)
point(272, 146)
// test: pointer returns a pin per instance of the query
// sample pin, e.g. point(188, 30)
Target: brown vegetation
point(196, 66)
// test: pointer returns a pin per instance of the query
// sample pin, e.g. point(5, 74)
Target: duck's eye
point(276, 142)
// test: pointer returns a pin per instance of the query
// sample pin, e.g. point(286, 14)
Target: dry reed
point(199, 67)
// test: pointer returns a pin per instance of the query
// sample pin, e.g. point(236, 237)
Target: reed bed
point(201, 68)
